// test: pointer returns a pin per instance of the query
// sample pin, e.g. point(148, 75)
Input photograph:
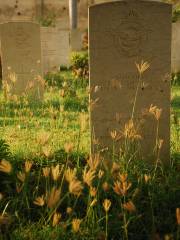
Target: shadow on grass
point(58, 157)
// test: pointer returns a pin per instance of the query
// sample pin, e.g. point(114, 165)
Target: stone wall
point(50, 9)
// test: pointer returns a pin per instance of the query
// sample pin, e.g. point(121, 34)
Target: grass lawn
point(52, 190)
point(59, 116)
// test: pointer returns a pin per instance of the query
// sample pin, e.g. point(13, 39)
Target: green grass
point(63, 118)
point(22, 123)
point(176, 100)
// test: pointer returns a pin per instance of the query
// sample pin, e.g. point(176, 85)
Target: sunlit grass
point(57, 191)
point(21, 124)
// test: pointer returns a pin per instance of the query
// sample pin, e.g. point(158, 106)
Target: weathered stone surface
point(176, 47)
point(76, 40)
point(121, 34)
point(21, 58)
point(55, 48)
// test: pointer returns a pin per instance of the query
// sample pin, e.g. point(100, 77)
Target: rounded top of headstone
point(158, 2)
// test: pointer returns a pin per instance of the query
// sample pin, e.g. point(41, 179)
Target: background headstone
point(55, 48)
point(21, 58)
point(176, 47)
point(76, 40)
point(121, 34)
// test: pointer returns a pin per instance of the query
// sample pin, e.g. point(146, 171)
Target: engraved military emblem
point(130, 34)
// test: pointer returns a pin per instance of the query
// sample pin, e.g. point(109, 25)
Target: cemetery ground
point(51, 188)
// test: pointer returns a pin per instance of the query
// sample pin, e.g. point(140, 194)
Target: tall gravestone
point(121, 34)
point(21, 58)
point(55, 47)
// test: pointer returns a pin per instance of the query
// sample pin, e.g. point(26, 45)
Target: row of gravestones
point(21, 52)
point(120, 34)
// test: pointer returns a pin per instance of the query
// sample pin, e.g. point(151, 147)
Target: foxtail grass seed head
point(43, 138)
point(117, 188)
point(129, 206)
point(41, 80)
point(70, 174)
point(53, 197)
point(28, 166)
point(46, 171)
point(147, 177)
point(158, 113)
point(69, 210)
point(13, 77)
point(93, 191)
point(105, 186)
point(47, 151)
point(55, 171)
point(178, 216)
point(113, 134)
point(88, 176)
point(94, 161)
point(100, 174)
point(130, 132)
point(30, 85)
point(155, 111)
point(93, 203)
point(121, 188)
point(123, 177)
point(19, 187)
point(39, 201)
point(56, 219)
point(115, 168)
point(142, 67)
point(21, 176)
point(75, 187)
point(160, 143)
point(106, 205)
point(76, 225)
point(68, 147)
point(5, 166)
